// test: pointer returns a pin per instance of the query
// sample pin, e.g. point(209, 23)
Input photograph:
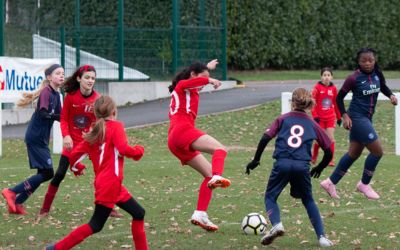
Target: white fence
point(286, 107)
point(14, 97)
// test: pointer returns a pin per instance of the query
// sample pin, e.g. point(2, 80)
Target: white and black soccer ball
point(254, 223)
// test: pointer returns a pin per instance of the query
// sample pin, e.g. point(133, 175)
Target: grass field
point(168, 192)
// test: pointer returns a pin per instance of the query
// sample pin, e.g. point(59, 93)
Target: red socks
point(217, 162)
point(333, 149)
point(74, 238)
point(139, 235)
point(48, 198)
point(205, 194)
point(315, 152)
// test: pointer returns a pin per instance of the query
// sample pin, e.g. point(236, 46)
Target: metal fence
point(158, 52)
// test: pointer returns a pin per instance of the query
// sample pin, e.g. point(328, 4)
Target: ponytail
point(29, 97)
point(196, 67)
point(97, 133)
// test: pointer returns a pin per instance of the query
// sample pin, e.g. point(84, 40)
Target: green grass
point(168, 192)
point(284, 75)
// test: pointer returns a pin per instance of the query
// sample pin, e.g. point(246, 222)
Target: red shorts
point(179, 140)
point(327, 123)
point(109, 192)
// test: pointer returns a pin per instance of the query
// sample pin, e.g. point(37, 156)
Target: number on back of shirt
point(294, 140)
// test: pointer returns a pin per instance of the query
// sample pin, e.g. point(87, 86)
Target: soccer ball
point(254, 223)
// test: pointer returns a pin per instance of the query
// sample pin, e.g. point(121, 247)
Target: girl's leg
point(46, 175)
point(331, 132)
point(314, 216)
point(345, 162)
point(370, 164)
point(201, 165)
point(137, 227)
point(200, 217)
point(54, 184)
point(209, 144)
point(314, 156)
point(95, 225)
point(26, 188)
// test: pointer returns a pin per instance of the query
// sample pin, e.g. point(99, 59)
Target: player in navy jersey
point(295, 132)
point(366, 82)
point(37, 137)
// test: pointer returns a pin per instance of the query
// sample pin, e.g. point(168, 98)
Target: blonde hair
point(29, 97)
point(302, 99)
point(103, 108)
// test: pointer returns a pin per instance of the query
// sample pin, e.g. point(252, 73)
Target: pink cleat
point(330, 188)
point(10, 197)
point(367, 191)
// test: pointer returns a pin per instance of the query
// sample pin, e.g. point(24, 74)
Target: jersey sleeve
point(65, 113)
point(315, 96)
point(348, 84)
point(322, 138)
point(273, 129)
point(44, 99)
point(337, 111)
point(79, 152)
point(193, 82)
point(120, 141)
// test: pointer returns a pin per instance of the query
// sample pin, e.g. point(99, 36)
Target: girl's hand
point(212, 64)
point(216, 83)
point(393, 99)
point(67, 142)
point(347, 123)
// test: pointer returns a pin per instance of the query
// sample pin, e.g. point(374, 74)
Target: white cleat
point(275, 232)
point(200, 218)
point(325, 242)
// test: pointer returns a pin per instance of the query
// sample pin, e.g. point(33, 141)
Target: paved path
point(254, 93)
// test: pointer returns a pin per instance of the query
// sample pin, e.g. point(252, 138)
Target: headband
point(50, 69)
point(85, 68)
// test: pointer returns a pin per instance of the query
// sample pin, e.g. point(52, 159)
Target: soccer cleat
point(275, 232)
point(367, 191)
point(114, 213)
point(331, 164)
point(324, 242)
point(20, 209)
point(218, 181)
point(10, 197)
point(329, 187)
point(49, 247)
point(200, 218)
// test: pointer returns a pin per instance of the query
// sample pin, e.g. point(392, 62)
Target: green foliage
point(310, 34)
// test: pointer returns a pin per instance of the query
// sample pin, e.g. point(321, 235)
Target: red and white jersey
point(325, 102)
point(185, 100)
point(77, 115)
point(108, 157)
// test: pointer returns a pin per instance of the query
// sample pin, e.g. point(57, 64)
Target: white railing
point(286, 107)
point(13, 97)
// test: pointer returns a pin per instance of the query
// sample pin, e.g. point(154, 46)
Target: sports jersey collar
point(330, 83)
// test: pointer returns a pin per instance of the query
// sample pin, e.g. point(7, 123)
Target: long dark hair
point(196, 67)
point(377, 69)
point(72, 84)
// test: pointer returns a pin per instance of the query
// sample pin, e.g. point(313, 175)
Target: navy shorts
point(285, 171)
point(39, 156)
point(362, 130)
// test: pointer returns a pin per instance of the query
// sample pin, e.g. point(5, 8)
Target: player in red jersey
point(325, 112)
point(187, 142)
point(106, 145)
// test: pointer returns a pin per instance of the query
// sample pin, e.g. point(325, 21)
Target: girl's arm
point(194, 82)
point(337, 112)
point(120, 141)
point(315, 96)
